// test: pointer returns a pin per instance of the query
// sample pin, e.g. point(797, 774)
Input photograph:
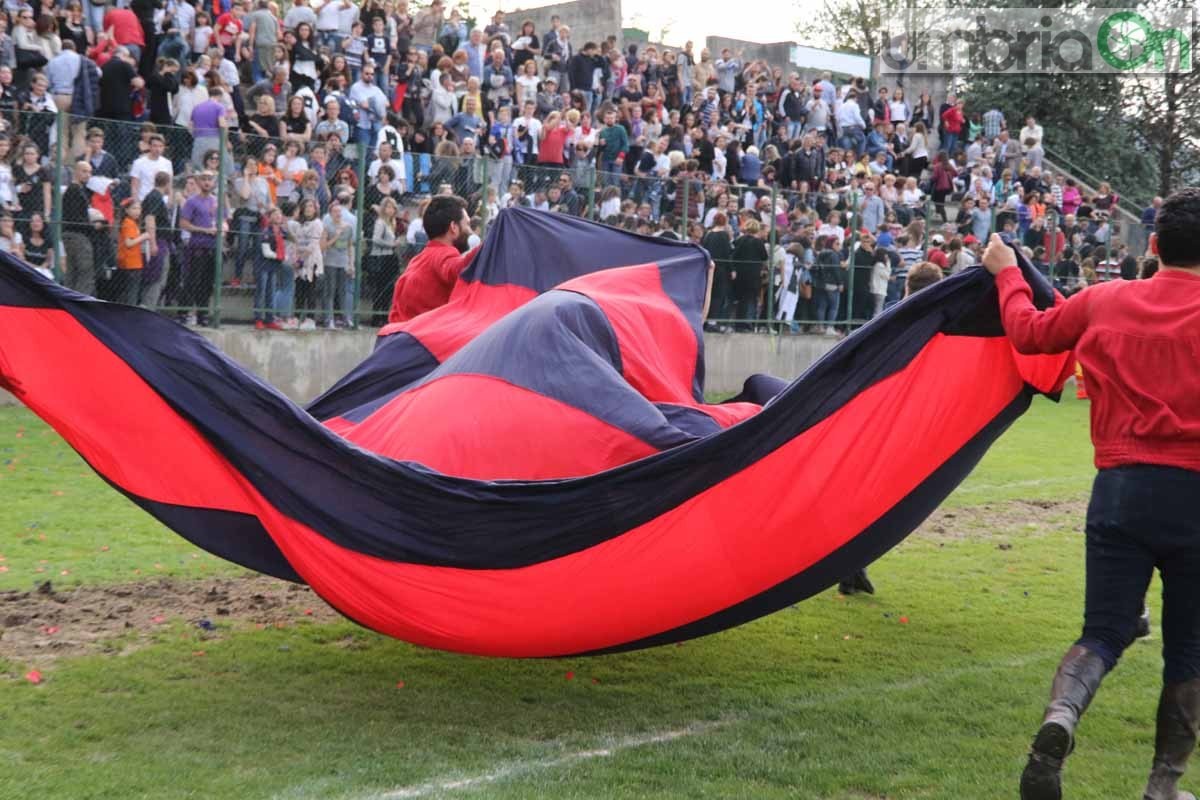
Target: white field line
point(514, 769)
point(521, 767)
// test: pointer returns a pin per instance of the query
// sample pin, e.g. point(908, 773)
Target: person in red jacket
point(1138, 342)
point(953, 122)
point(430, 277)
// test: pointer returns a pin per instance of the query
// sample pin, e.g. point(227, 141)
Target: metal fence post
point(219, 255)
point(483, 199)
point(360, 245)
point(683, 223)
point(855, 225)
point(591, 194)
point(1051, 256)
point(771, 239)
point(56, 198)
point(928, 224)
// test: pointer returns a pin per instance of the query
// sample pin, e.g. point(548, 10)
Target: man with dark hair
point(1136, 341)
point(429, 278)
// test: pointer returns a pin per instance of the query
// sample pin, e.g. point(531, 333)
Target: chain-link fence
point(292, 223)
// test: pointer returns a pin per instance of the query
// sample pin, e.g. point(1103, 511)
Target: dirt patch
point(1005, 520)
point(46, 623)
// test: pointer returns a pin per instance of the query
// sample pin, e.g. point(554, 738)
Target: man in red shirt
point(125, 29)
point(1139, 343)
point(429, 278)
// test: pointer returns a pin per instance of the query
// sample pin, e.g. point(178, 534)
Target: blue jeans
point(336, 286)
point(612, 172)
point(588, 98)
point(285, 290)
point(248, 238)
point(895, 291)
point(794, 130)
point(828, 301)
point(367, 136)
point(853, 137)
point(265, 291)
point(1142, 517)
point(949, 142)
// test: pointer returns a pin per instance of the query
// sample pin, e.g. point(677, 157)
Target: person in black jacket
point(117, 77)
point(581, 70)
point(77, 231)
point(720, 247)
point(162, 83)
point(749, 258)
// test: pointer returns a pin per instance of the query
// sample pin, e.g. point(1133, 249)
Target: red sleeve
point(450, 268)
point(1055, 330)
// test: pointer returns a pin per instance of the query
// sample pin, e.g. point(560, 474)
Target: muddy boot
point(862, 583)
point(1143, 623)
point(1178, 721)
point(1079, 675)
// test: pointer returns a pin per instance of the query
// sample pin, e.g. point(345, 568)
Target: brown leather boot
point(1079, 675)
point(1178, 724)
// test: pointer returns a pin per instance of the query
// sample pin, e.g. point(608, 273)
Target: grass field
point(930, 689)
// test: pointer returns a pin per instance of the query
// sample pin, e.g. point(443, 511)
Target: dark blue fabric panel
point(539, 250)
point(880, 537)
point(760, 389)
point(397, 361)
point(691, 420)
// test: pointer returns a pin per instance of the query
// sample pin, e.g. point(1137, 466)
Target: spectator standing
point(727, 68)
point(263, 29)
point(127, 280)
point(337, 286)
point(156, 221)
point(117, 77)
point(953, 124)
point(370, 107)
point(76, 237)
point(198, 218)
point(429, 278)
point(993, 124)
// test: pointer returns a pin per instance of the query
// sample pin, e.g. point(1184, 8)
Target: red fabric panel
point(471, 309)
point(488, 438)
point(748, 533)
point(660, 366)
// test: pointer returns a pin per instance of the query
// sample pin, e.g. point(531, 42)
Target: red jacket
point(125, 26)
point(1139, 343)
point(427, 281)
point(952, 120)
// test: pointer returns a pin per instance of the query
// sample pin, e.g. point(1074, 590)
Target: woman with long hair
point(382, 263)
point(306, 60)
point(306, 235)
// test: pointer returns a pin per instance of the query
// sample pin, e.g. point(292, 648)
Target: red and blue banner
point(531, 469)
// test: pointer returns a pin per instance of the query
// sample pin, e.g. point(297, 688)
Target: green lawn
point(930, 689)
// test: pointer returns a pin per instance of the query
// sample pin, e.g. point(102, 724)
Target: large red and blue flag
point(531, 469)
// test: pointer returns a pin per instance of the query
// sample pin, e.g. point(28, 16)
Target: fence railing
point(295, 230)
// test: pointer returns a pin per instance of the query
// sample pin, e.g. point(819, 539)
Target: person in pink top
point(1071, 197)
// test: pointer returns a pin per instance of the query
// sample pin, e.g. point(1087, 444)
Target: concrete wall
point(589, 20)
point(302, 365)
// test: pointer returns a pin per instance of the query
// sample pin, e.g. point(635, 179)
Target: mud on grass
point(46, 624)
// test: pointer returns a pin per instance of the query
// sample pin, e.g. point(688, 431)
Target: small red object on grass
point(50, 630)
point(3, 568)
point(570, 676)
point(308, 612)
point(399, 684)
point(104, 548)
point(33, 676)
point(158, 620)
point(904, 620)
point(595, 680)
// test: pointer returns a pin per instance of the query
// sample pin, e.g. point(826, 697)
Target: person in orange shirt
point(130, 239)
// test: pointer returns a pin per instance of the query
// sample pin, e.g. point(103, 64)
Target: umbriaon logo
point(1023, 40)
point(1127, 41)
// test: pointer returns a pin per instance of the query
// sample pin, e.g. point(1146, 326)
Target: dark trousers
point(199, 270)
point(1143, 517)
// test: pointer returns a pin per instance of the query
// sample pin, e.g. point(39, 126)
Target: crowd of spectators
point(814, 197)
